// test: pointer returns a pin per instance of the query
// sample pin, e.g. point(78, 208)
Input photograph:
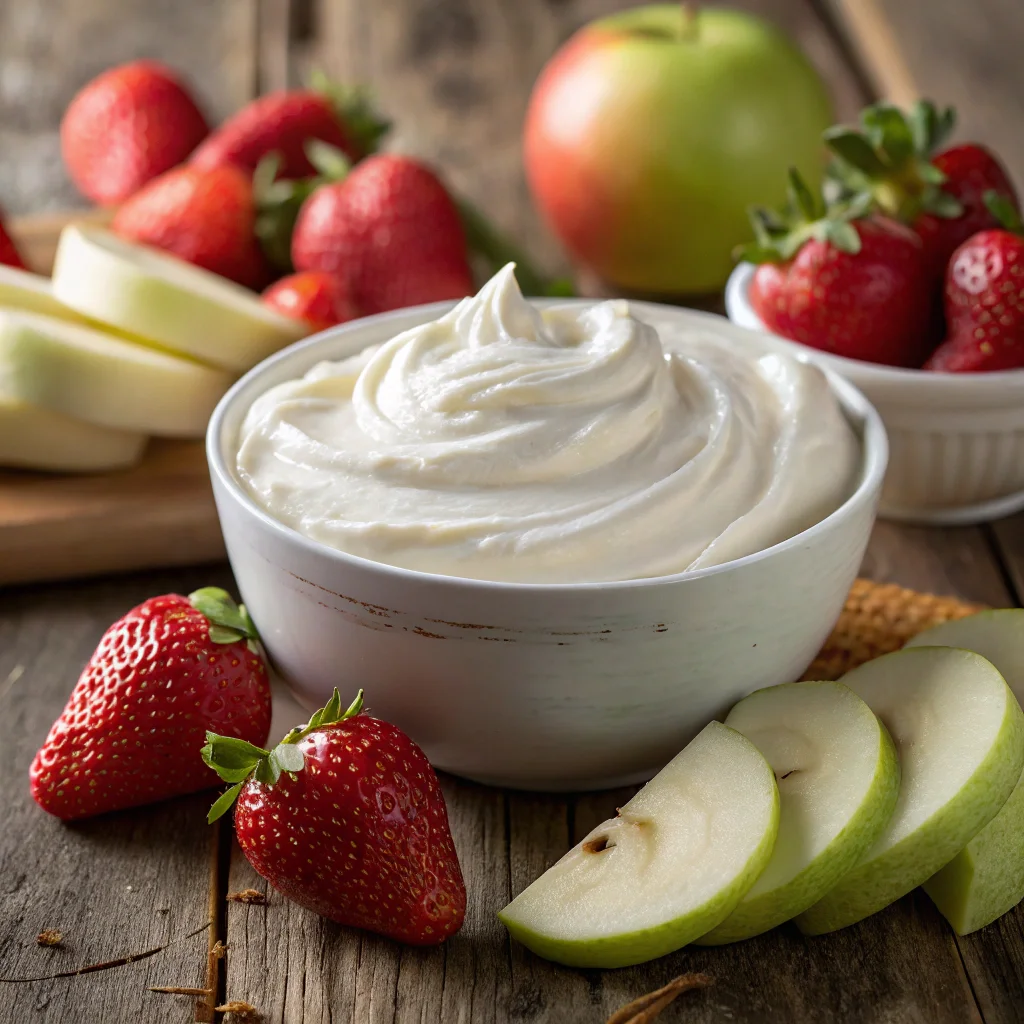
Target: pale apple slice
point(149, 294)
point(986, 878)
point(21, 289)
point(959, 733)
point(669, 867)
point(34, 438)
point(88, 375)
point(838, 780)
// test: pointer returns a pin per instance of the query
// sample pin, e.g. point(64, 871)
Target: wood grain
point(117, 885)
point(455, 75)
point(159, 513)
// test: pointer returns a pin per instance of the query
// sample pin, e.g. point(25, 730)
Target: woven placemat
point(879, 618)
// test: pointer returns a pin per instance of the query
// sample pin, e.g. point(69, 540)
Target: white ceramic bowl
point(554, 687)
point(956, 440)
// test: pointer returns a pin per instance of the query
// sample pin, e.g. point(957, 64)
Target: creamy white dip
point(566, 445)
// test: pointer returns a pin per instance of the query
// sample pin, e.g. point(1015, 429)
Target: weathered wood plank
point(455, 76)
point(116, 885)
point(49, 49)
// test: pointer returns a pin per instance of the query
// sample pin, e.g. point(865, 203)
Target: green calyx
point(354, 106)
point(779, 236)
point(229, 622)
point(1004, 211)
point(278, 201)
point(888, 158)
point(236, 761)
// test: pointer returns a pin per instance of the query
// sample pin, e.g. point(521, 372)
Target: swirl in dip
point(564, 445)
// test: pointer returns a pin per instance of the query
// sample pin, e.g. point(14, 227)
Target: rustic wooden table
point(454, 74)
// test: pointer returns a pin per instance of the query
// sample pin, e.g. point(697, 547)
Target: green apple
point(838, 779)
point(88, 375)
point(21, 289)
point(959, 733)
point(182, 308)
point(671, 865)
point(34, 438)
point(986, 878)
point(651, 132)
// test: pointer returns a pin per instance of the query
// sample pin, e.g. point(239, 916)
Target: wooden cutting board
point(55, 526)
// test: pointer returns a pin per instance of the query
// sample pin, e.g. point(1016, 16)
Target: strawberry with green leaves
point(391, 230)
point(284, 122)
point(841, 281)
point(898, 160)
point(162, 675)
point(205, 217)
point(984, 298)
point(345, 817)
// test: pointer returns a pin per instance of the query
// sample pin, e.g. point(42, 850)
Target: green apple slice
point(21, 289)
point(670, 866)
point(34, 438)
point(959, 733)
point(838, 779)
point(83, 373)
point(152, 295)
point(986, 878)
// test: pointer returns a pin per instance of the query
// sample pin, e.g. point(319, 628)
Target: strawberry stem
point(236, 761)
point(355, 110)
point(1004, 212)
point(229, 622)
point(888, 157)
point(778, 237)
point(278, 202)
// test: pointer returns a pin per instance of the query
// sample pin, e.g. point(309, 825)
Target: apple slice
point(83, 373)
point(21, 289)
point(152, 295)
point(986, 878)
point(670, 866)
point(34, 438)
point(838, 782)
point(959, 733)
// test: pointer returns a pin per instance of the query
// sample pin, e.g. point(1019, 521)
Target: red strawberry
point(9, 255)
point(853, 286)
point(205, 217)
point(284, 122)
point(161, 676)
point(971, 171)
point(391, 230)
point(985, 299)
point(127, 126)
point(895, 158)
point(318, 299)
point(345, 817)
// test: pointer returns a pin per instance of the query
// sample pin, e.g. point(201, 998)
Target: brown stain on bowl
point(383, 612)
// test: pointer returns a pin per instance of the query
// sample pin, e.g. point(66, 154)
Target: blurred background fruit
point(125, 127)
point(650, 133)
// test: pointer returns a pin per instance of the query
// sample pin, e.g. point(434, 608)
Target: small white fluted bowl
point(956, 439)
point(548, 686)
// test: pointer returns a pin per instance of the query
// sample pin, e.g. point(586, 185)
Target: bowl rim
point(740, 311)
point(872, 434)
